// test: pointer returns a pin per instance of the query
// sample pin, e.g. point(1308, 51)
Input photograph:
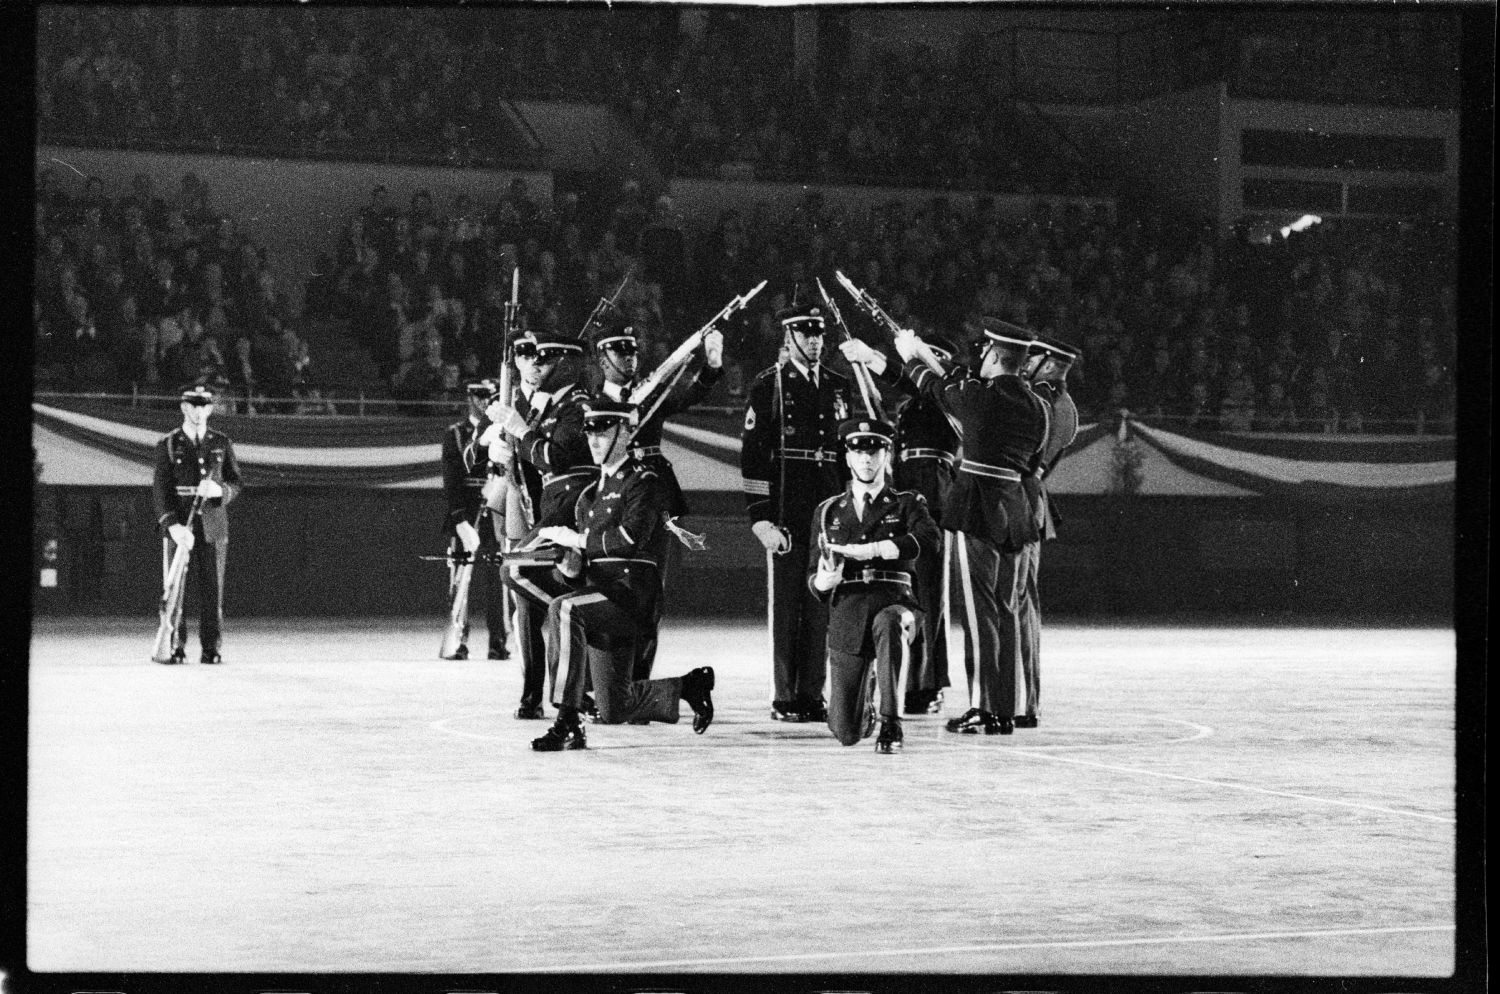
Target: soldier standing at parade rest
point(868, 542)
point(195, 461)
point(615, 550)
point(1001, 426)
point(546, 436)
point(1048, 374)
point(469, 525)
point(789, 458)
point(926, 460)
point(617, 350)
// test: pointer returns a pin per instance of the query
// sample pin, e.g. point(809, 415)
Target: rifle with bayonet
point(870, 306)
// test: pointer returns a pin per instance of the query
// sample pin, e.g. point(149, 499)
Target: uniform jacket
point(898, 515)
point(556, 465)
point(803, 420)
point(921, 425)
point(625, 539)
point(465, 470)
point(648, 436)
point(180, 467)
point(1002, 424)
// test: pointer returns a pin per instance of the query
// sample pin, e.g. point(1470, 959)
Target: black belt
point(643, 451)
point(993, 472)
point(907, 455)
point(624, 559)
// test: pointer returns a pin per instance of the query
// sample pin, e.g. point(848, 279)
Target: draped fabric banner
point(81, 442)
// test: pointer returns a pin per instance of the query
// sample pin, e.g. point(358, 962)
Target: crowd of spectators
point(139, 291)
point(429, 84)
point(1334, 329)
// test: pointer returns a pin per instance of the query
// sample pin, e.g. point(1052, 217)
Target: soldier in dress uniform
point(790, 461)
point(617, 351)
point(926, 460)
point(615, 548)
point(545, 433)
point(195, 461)
point(468, 525)
point(1001, 426)
point(868, 541)
point(1047, 371)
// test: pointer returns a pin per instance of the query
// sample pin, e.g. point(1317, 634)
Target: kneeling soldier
point(614, 555)
point(868, 541)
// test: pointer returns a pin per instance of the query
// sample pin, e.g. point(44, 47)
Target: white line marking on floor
point(998, 947)
point(1235, 786)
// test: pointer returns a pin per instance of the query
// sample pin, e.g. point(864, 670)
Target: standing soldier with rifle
point(538, 434)
point(195, 472)
point(471, 530)
point(791, 459)
point(617, 350)
point(1051, 359)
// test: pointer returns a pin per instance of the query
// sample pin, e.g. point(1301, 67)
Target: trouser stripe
point(1013, 618)
point(565, 645)
point(771, 624)
point(972, 647)
point(908, 624)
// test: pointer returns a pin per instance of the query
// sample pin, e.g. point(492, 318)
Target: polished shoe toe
point(784, 711)
point(530, 712)
point(211, 659)
point(1025, 721)
point(697, 686)
point(559, 737)
point(890, 738)
point(499, 654)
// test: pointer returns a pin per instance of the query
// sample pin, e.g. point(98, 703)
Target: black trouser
point(895, 631)
point(536, 587)
point(799, 630)
point(987, 585)
point(592, 641)
point(206, 567)
point(930, 477)
point(488, 573)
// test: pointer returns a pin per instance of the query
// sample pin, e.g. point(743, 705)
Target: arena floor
point(335, 798)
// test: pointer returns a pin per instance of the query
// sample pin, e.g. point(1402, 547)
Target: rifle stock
point(173, 587)
point(458, 612)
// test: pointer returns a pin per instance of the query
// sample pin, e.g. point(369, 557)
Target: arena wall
point(354, 552)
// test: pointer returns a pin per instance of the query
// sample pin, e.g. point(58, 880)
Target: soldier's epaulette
point(765, 374)
point(908, 493)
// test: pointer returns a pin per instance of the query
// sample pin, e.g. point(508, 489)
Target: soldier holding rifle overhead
point(791, 459)
point(542, 434)
point(617, 351)
point(1001, 426)
point(195, 462)
point(1047, 371)
point(469, 526)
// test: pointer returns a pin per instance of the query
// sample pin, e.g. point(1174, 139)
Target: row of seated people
point(414, 82)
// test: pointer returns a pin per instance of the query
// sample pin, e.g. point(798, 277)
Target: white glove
point(773, 538)
point(885, 549)
point(181, 534)
point(562, 535)
point(468, 535)
point(829, 572)
point(508, 418)
point(713, 348)
point(492, 433)
point(208, 489)
point(856, 351)
point(906, 344)
point(500, 453)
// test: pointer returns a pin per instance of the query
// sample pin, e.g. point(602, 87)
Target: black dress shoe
point(211, 659)
point(530, 712)
point(868, 728)
point(935, 705)
point(562, 735)
point(915, 703)
point(501, 653)
point(785, 711)
point(976, 722)
point(1025, 721)
point(462, 652)
point(696, 685)
point(175, 659)
point(890, 737)
point(591, 715)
